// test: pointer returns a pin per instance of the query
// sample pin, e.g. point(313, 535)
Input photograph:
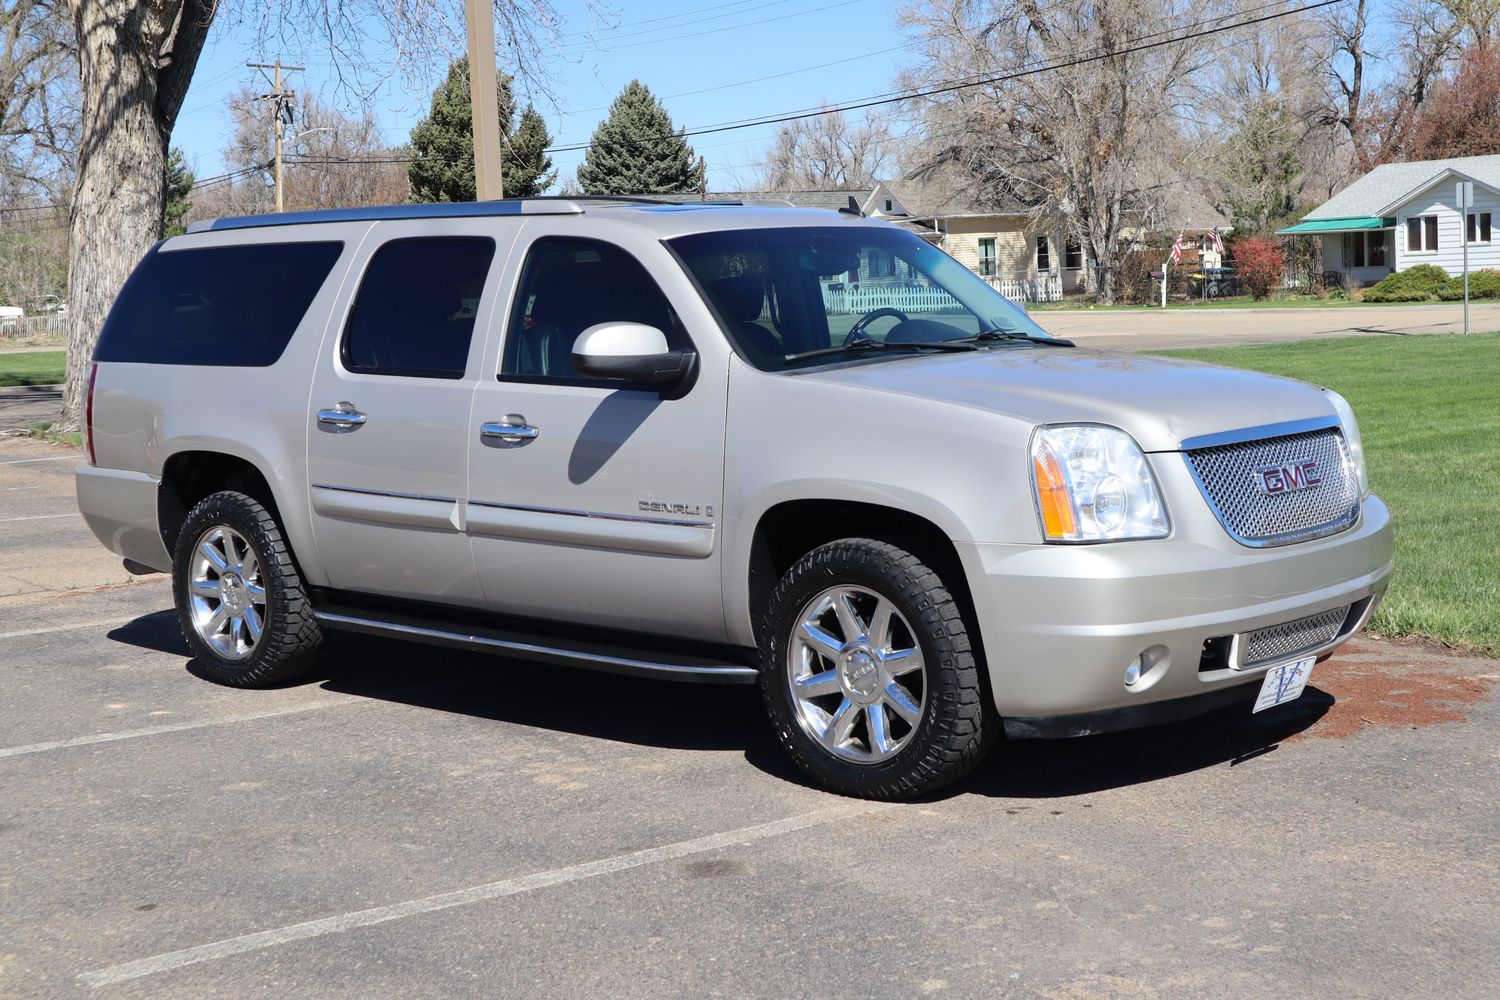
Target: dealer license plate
point(1284, 682)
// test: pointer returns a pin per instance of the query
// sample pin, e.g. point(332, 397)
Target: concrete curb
point(23, 390)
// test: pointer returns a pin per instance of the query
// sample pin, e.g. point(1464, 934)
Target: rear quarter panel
point(146, 413)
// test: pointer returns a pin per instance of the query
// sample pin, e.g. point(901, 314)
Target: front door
point(590, 501)
point(389, 412)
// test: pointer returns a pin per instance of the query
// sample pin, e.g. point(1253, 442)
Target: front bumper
point(1060, 623)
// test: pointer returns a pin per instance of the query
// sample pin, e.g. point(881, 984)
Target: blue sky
point(695, 55)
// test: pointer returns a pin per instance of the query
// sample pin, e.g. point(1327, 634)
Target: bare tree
point(1261, 121)
point(1088, 142)
point(38, 98)
point(333, 160)
point(137, 58)
point(1346, 28)
point(1427, 37)
point(826, 153)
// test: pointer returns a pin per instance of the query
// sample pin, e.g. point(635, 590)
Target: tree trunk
point(135, 65)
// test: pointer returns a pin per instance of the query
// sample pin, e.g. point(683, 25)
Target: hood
point(1159, 401)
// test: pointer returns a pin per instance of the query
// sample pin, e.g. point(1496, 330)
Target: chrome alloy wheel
point(856, 675)
point(227, 594)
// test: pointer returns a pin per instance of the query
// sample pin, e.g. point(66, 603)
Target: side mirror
point(630, 352)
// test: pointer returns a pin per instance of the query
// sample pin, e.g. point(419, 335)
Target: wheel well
point(190, 476)
point(790, 530)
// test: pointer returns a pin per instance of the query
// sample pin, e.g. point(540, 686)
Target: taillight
point(88, 413)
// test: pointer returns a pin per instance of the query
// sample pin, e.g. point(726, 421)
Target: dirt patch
point(1376, 683)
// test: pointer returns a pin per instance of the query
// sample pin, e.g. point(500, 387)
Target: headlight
point(1351, 438)
point(1092, 484)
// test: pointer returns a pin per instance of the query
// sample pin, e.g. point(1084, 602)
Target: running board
point(612, 658)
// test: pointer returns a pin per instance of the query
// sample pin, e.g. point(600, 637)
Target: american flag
point(1177, 249)
point(1218, 240)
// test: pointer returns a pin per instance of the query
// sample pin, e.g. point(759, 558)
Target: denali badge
point(1287, 478)
point(690, 509)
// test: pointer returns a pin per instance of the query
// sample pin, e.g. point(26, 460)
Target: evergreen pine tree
point(443, 144)
point(637, 150)
point(528, 168)
point(179, 186)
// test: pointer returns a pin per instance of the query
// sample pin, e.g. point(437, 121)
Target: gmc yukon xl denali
point(714, 442)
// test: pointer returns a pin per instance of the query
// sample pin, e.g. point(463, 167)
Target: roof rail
point(438, 210)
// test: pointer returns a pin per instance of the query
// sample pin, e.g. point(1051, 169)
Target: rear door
point(609, 514)
point(389, 410)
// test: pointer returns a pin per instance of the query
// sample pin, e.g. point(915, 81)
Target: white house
point(1403, 214)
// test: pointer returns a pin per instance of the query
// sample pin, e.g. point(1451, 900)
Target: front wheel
point(241, 603)
point(868, 673)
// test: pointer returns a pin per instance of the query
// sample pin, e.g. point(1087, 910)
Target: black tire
point(957, 724)
point(290, 638)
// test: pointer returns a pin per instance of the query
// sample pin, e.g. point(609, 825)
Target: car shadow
point(652, 713)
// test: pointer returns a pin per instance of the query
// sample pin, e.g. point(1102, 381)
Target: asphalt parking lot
point(416, 823)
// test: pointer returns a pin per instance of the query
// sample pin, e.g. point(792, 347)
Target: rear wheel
point(868, 673)
point(241, 603)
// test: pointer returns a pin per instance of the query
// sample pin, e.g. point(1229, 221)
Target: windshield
point(792, 291)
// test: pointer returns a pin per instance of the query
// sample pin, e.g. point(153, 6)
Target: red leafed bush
point(1260, 263)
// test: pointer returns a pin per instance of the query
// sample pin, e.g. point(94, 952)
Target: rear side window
point(414, 314)
point(224, 306)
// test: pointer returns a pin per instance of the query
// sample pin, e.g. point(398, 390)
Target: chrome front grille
point(1284, 641)
point(1231, 476)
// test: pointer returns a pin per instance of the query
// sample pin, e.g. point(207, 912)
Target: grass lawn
point(1428, 413)
point(33, 367)
point(1239, 302)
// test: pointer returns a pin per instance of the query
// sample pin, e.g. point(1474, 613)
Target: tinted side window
point(224, 306)
point(570, 285)
point(414, 312)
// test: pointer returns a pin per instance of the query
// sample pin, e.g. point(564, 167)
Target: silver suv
point(724, 443)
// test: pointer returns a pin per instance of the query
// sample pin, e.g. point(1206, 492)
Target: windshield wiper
point(884, 345)
point(984, 335)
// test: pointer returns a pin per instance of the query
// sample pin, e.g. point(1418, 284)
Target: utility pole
point(484, 101)
point(1465, 193)
point(281, 115)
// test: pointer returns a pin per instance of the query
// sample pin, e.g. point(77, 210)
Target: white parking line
point(173, 727)
point(463, 897)
point(59, 458)
point(39, 517)
point(66, 628)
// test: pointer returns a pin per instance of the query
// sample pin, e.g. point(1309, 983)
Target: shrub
point(1482, 285)
point(1133, 283)
point(1415, 284)
point(1260, 263)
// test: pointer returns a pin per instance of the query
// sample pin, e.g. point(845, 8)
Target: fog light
point(1133, 671)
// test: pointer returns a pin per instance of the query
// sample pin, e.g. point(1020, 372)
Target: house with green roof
point(1403, 214)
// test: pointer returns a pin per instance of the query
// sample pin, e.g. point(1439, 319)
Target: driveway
point(1158, 330)
point(417, 823)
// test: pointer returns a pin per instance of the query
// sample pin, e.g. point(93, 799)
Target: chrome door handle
point(512, 430)
point(342, 415)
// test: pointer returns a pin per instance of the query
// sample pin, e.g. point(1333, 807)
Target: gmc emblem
point(1287, 478)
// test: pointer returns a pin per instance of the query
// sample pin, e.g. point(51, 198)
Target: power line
point(979, 79)
point(582, 48)
point(664, 17)
point(951, 86)
point(947, 88)
point(758, 79)
point(721, 15)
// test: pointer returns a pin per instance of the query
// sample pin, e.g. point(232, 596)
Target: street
point(1158, 330)
point(414, 822)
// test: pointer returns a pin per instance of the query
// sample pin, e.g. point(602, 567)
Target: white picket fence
point(852, 300)
point(1043, 288)
point(847, 299)
point(45, 325)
